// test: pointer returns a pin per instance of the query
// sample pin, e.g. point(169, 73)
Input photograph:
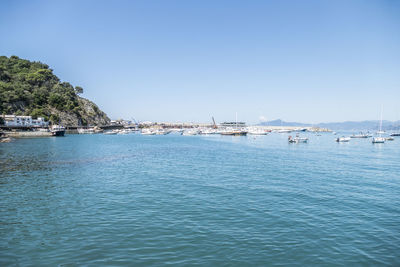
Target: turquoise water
point(208, 200)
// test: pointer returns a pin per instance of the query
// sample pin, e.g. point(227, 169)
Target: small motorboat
point(342, 139)
point(389, 139)
point(360, 135)
point(297, 139)
point(190, 132)
point(110, 132)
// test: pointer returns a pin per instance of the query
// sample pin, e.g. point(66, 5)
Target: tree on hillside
point(78, 90)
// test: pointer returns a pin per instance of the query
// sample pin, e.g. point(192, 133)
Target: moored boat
point(360, 135)
point(190, 132)
point(297, 139)
point(378, 140)
point(57, 130)
point(234, 132)
point(342, 139)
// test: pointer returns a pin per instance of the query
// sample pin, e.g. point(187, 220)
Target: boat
point(148, 132)
point(86, 131)
point(57, 130)
point(208, 131)
point(395, 134)
point(190, 132)
point(234, 132)
point(123, 131)
point(342, 139)
point(256, 131)
point(110, 132)
point(379, 139)
point(161, 132)
point(297, 139)
point(360, 135)
point(284, 131)
point(389, 139)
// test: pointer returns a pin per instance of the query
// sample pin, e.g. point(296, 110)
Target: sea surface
point(133, 200)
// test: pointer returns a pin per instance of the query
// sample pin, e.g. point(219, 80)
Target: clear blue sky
point(309, 61)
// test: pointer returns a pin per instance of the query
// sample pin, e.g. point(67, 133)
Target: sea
point(135, 200)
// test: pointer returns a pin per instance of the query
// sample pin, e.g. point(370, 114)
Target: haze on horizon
point(306, 61)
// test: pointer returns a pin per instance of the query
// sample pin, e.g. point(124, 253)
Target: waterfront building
point(24, 121)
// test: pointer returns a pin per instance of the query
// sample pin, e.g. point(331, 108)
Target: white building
point(24, 121)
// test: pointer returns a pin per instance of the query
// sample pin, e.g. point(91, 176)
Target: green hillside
point(31, 88)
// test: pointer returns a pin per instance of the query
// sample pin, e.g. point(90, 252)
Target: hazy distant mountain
point(347, 125)
point(283, 123)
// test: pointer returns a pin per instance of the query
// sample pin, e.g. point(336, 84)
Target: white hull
point(378, 140)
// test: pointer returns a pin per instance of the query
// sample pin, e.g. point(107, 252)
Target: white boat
point(161, 131)
point(85, 131)
point(360, 135)
point(256, 131)
point(342, 139)
point(208, 131)
point(379, 139)
point(190, 132)
point(148, 132)
point(284, 131)
point(297, 139)
point(395, 134)
point(110, 132)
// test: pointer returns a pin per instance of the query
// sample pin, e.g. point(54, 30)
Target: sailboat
point(379, 139)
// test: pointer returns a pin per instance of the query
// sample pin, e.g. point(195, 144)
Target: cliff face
point(31, 88)
point(90, 114)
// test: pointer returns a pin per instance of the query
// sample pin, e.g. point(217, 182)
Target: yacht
point(57, 130)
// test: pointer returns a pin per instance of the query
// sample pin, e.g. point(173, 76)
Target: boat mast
point(380, 124)
point(236, 121)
